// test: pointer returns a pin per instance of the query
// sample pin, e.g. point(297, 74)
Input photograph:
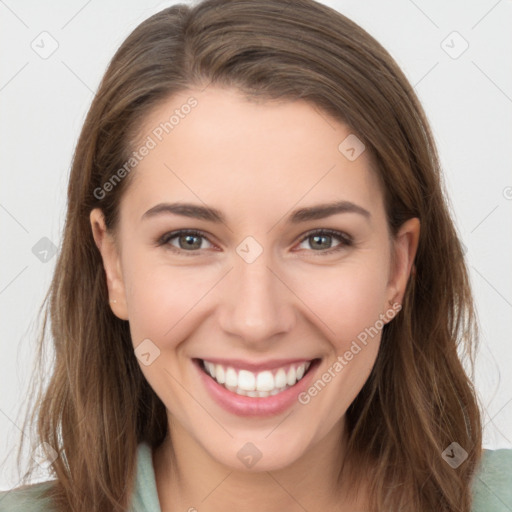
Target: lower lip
point(255, 406)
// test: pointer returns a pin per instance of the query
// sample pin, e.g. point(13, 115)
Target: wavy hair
point(418, 399)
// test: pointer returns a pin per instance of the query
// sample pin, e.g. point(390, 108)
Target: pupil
point(190, 240)
point(320, 237)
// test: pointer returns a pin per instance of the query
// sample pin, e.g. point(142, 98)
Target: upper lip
point(240, 364)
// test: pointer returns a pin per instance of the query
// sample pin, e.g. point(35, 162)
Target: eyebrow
point(315, 212)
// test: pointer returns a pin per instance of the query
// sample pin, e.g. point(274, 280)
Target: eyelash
point(346, 240)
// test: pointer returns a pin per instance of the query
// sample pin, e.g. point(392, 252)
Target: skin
point(256, 162)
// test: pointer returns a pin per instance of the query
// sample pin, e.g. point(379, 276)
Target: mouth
point(255, 389)
point(262, 384)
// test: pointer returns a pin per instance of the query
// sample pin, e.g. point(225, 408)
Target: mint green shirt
point(492, 487)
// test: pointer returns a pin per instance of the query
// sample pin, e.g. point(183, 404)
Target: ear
point(405, 245)
point(111, 262)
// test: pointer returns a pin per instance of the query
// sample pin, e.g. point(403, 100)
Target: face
point(256, 269)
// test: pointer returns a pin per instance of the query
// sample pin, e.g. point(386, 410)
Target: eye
point(320, 240)
point(189, 240)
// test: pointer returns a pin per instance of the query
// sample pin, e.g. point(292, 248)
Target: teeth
point(219, 374)
point(211, 368)
point(300, 372)
point(280, 378)
point(231, 378)
point(262, 384)
point(291, 377)
point(265, 381)
point(246, 380)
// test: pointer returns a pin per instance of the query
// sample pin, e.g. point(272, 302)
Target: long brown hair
point(418, 399)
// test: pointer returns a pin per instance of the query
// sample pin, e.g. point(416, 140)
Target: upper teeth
point(261, 384)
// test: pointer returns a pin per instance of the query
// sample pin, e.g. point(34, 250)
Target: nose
point(257, 305)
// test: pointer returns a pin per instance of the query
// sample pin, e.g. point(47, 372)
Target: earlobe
point(405, 248)
point(111, 263)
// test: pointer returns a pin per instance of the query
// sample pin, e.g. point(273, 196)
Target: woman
point(261, 295)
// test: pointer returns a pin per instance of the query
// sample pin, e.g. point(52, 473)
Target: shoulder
point(29, 498)
point(32, 498)
point(492, 486)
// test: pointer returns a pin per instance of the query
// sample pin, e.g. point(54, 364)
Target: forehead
point(219, 148)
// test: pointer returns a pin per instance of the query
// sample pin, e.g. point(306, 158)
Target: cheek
point(163, 299)
point(347, 298)
point(165, 302)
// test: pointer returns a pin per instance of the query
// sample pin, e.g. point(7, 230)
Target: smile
point(256, 384)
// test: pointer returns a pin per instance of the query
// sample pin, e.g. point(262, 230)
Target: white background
point(43, 103)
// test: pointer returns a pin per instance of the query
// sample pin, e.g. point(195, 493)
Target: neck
point(188, 478)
